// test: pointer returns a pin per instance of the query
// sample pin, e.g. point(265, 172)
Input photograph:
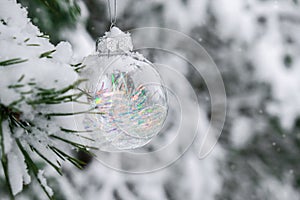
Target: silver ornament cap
point(114, 41)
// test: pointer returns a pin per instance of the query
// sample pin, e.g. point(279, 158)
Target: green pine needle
point(44, 36)
point(47, 54)
point(16, 86)
point(12, 61)
point(27, 39)
point(33, 45)
point(73, 131)
point(21, 78)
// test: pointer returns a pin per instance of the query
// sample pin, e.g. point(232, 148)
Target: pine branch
point(37, 97)
point(31, 95)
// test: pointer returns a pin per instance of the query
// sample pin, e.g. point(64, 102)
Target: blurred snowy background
point(256, 46)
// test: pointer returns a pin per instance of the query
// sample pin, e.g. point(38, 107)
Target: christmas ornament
point(125, 91)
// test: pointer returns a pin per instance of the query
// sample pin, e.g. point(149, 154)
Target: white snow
point(284, 189)
point(63, 52)
point(6, 137)
point(43, 181)
point(267, 55)
point(21, 162)
point(184, 17)
point(241, 131)
point(15, 173)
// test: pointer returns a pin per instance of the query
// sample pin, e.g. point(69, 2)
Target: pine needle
point(12, 61)
point(47, 54)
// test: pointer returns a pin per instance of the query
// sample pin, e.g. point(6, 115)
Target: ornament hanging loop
point(112, 24)
point(112, 10)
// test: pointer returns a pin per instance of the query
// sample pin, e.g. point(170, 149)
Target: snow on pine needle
point(38, 92)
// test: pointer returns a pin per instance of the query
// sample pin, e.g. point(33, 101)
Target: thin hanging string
point(113, 16)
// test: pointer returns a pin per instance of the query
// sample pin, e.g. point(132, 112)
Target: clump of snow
point(17, 170)
point(228, 22)
point(284, 189)
point(21, 162)
point(43, 181)
point(63, 52)
point(6, 137)
point(241, 131)
point(15, 173)
point(186, 15)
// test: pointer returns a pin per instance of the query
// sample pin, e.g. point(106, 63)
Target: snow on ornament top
point(125, 91)
point(115, 41)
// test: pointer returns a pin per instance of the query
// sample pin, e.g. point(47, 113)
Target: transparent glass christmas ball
point(126, 91)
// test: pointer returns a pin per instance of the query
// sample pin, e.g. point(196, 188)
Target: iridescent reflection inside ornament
point(128, 93)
